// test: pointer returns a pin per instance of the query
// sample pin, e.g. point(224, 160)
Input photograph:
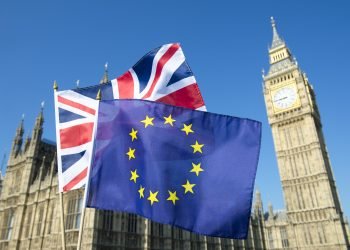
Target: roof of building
point(278, 216)
point(276, 39)
point(48, 141)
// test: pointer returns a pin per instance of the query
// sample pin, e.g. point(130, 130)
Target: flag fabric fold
point(190, 169)
point(162, 75)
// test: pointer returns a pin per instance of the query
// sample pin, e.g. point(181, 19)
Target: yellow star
point(197, 147)
point(169, 120)
point(133, 134)
point(131, 153)
point(148, 121)
point(187, 129)
point(196, 168)
point(141, 192)
point(152, 197)
point(134, 175)
point(172, 197)
point(188, 187)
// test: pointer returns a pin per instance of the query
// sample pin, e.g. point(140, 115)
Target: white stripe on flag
point(174, 87)
point(159, 55)
point(115, 88)
point(167, 72)
point(136, 82)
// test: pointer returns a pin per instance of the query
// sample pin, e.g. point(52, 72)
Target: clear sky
point(226, 45)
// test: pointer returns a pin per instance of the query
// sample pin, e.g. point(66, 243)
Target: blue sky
point(225, 43)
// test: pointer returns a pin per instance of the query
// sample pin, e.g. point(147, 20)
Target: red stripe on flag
point(187, 97)
point(162, 61)
point(76, 135)
point(75, 180)
point(76, 105)
point(126, 86)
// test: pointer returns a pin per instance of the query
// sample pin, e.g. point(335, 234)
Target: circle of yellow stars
point(196, 167)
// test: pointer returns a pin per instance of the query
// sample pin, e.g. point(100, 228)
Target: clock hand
point(281, 99)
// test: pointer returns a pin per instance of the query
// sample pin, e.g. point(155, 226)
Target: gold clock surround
point(279, 88)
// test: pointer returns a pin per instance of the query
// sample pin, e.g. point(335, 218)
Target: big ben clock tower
point(314, 213)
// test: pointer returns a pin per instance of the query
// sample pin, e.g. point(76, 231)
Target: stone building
point(0, 181)
point(313, 218)
point(30, 211)
point(30, 205)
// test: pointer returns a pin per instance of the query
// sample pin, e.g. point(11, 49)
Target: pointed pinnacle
point(55, 86)
point(276, 40)
point(273, 21)
point(105, 75)
point(98, 96)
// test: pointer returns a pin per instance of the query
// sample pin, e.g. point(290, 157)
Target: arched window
point(7, 225)
point(74, 211)
point(284, 237)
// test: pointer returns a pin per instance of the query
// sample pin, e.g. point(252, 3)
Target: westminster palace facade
point(312, 219)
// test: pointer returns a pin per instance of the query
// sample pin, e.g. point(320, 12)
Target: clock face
point(284, 97)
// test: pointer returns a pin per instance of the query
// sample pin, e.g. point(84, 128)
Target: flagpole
point(81, 227)
point(63, 238)
point(80, 236)
point(63, 235)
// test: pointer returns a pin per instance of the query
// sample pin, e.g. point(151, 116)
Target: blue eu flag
point(190, 169)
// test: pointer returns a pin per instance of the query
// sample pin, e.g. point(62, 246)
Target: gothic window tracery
point(74, 212)
point(7, 225)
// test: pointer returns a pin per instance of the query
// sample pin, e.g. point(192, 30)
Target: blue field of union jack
point(162, 75)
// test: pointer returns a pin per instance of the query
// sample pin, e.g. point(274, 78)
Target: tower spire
point(104, 79)
point(39, 123)
point(99, 95)
point(17, 142)
point(258, 206)
point(20, 129)
point(276, 39)
point(279, 52)
point(55, 86)
point(270, 210)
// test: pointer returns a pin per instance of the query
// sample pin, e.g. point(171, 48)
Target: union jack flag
point(161, 75)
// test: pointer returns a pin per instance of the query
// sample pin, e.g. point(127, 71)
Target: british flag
point(161, 75)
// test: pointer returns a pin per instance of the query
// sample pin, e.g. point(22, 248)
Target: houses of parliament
point(312, 219)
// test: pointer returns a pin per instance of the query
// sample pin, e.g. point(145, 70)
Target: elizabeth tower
point(310, 193)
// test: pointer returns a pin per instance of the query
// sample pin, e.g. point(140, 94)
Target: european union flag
point(177, 166)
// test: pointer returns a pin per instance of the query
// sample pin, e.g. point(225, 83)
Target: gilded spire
point(55, 86)
point(99, 96)
point(104, 79)
point(276, 40)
